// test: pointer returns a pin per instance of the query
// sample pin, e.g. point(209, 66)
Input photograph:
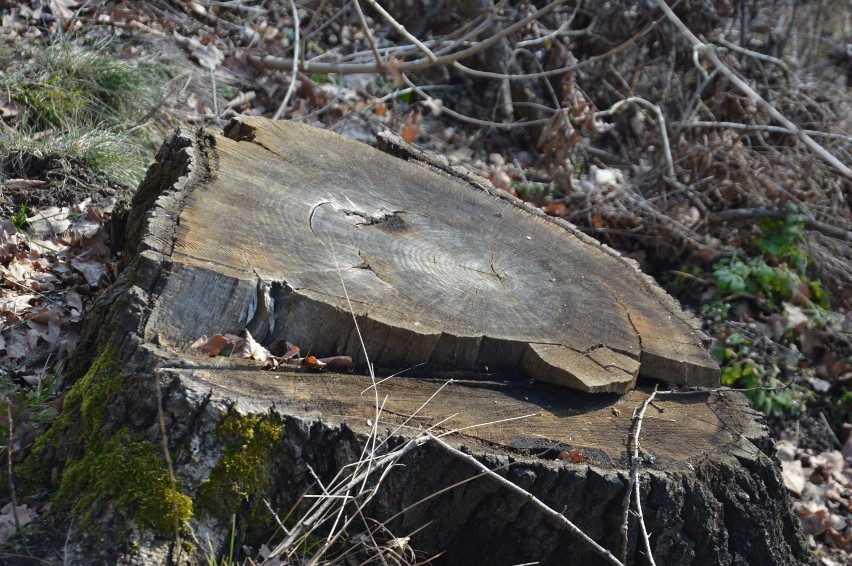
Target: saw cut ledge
point(439, 268)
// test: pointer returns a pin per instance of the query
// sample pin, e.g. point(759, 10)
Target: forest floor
point(651, 151)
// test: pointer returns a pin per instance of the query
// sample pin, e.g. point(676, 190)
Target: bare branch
point(475, 121)
point(400, 29)
point(774, 213)
point(407, 66)
point(558, 519)
point(761, 56)
point(817, 149)
point(295, 66)
point(759, 128)
point(380, 62)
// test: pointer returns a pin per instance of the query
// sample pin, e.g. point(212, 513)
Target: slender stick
point(400, 29)
point(380, 62)
point(555, 517)
point(416, 65)
point(9, 461)
point(295, 66)
point(759, 128)
point(757, 213)
point(633, 485)
point(172, 481)
point(817, 149)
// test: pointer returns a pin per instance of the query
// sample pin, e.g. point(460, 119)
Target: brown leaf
point(49, 221)
point(411, 131)
point(337, 363)
point(93, 271)
point(212, 346)
point(311, 362)
point(558, 208)
point(573, 455)
point(23, 184)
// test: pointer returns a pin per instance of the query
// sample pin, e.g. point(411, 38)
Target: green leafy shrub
point(740, 369)
point(778, 274)
point(765, 282)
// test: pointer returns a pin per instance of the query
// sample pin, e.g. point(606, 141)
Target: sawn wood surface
point(292, 219)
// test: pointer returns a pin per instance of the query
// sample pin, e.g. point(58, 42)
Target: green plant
point(774, 277)
point(741, 369)
point(778, 274)
point(20, 219)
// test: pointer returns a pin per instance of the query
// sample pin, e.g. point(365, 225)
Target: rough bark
point(711, 492)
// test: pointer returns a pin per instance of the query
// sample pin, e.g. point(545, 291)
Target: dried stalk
point(558, 519)
point(295, 66)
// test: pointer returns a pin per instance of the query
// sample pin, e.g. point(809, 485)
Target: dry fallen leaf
point(23, 184)
point(212, 346)
point(337, 363)
point(312, 363)
point(574, 455)
point(252, 349)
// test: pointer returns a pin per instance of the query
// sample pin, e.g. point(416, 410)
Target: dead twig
point(776, 214)
point(759, 128)
point(164, 439)
point(816, 148)
point(295, 66)
point(380, 62)
point(558, 519)
point(407, 66)
point(12, 493)
point(401, 29)
point(633, 483)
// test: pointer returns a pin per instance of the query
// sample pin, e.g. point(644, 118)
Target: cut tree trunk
point(261, 228)
point(298, 229)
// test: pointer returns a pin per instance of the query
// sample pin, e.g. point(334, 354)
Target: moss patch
point(131, 474)
point(102, 464)
point(244, 474)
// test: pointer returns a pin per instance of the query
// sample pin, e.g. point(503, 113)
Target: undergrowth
point(759, 290)
point(82, 102)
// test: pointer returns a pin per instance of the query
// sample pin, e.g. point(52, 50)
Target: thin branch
point(407, 66)
point(661, 123)
point(760, 128)
point(558, 519)
point(474, 121)
point(168, 457)
point(400, 29)
point(761, 56)
point(380, 62)
point(561, 31)
point(776, 214)
point(562, 70)
point(295, 66)
point(9, 462)
point(817, 149)
point(634, 477)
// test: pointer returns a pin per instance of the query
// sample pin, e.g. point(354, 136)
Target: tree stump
point(260, 228)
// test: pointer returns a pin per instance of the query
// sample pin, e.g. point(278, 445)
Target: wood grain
point(437, 269)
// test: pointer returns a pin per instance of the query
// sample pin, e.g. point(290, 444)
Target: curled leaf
point(212, 346)
point(337, 363)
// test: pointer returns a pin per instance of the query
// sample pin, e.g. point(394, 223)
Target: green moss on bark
point(103, 464)
point(243, 476)
point(130, 473)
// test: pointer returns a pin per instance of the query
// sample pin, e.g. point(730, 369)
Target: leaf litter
point(279, 354)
